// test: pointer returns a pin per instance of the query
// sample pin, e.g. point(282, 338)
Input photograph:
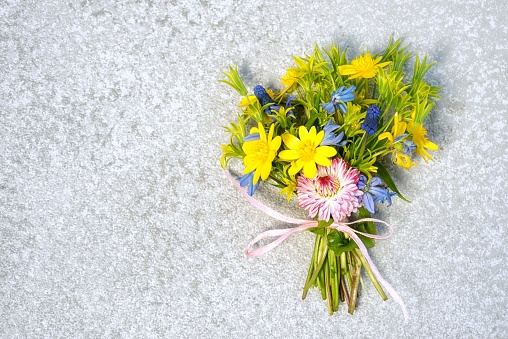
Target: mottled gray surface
point(116, 220)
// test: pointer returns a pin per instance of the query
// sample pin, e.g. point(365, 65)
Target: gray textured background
point(116, 220)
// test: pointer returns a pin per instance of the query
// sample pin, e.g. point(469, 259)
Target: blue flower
point(373, 192)
point(408, 146)
point(330, 139)
point(263, 97)
point(246, 180)
point(371, 120)
point(288, 104)
point(252, 137)
point(339, 97)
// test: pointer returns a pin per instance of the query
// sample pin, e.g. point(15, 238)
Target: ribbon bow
point(283, 234)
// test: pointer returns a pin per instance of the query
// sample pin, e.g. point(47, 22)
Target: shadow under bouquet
point(320, 140)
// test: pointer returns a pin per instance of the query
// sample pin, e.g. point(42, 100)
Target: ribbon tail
point(389, 288)
point(283, 235)
point(373, 236)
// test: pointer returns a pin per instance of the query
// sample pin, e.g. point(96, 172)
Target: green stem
point(313, 262)
point(364, 143)
point(328, 287)
point(354, 287)
point(371, 275)
point(323, 247)
point(334, 273)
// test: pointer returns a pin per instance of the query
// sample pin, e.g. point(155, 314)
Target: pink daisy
point(332, 192)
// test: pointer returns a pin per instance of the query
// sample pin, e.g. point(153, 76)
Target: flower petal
point(295, 167)
point(290, 141)
point(326, 151)
point(368, 203)
point(309, 169)
point(318, 138)
point(288, 155)
point(303, 133)
point(262, 133)
point(321, 160)
point(275, 144)
point(265, 170)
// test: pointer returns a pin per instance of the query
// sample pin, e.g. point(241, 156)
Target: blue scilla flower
point(373, 192)
point(330, 139)
point(371, 121)
point(288, 104)
point(339, 97)
point(252, 137)
point(408, 146)
point(263, 97)
point(246, 180)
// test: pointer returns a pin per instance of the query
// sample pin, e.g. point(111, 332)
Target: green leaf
point(387, 179)
point(368, 242)
point(338, 243)
point(369, 225)
point(235, 81)
point(320, 229)
point(324, 224)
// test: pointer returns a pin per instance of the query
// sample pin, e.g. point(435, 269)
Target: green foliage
point(387, 179)
point(235, 81)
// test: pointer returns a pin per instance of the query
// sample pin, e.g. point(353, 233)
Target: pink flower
point(331, 193)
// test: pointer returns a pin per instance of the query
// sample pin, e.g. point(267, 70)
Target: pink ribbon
point(283, 234)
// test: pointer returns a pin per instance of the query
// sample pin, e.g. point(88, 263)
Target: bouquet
point(320, 140)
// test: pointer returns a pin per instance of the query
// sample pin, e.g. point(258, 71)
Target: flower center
point(307, 150)
point(327, 186)
point(261, 150)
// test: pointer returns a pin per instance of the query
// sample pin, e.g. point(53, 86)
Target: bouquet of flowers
point(320, 140)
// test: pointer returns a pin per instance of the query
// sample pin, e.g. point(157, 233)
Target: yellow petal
point(257, 174)
point(249, 166)
point(265, 169)
point(327, 151)
point(357, 75)
point(290, 141)
point(250, 146)
point(262, 133)
point(309, 169)
point(347, 70)
point(312, 133)
point(368, 74)
point(321, 160)
point(254, 130)
point(270, 132)
point(430, 145)
point(385, 135)
point(295, 167)
point(303, 133)
point(288, 155)
point(383, 64)
point(319, 137)
point(275, 144)
point(246, 101)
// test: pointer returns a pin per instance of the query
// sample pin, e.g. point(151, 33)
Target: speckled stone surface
point(116, 220)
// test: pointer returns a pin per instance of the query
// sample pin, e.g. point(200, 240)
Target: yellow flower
point(260, 154)
point(290, 80)
point(396, 138)
point(421, 142)
point(362, 67)
point(290, 185)
point(305, 152)
point(251, 99)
